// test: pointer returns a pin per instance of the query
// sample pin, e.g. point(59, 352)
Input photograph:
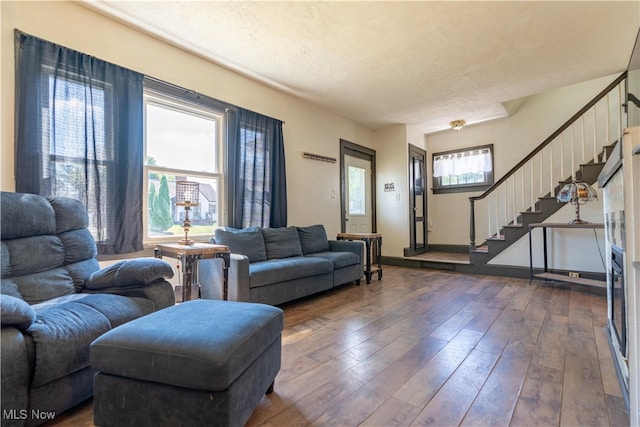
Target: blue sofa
point(277, 265)
point(55, 300)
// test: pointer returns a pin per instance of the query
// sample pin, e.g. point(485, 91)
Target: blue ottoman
point(203, 362)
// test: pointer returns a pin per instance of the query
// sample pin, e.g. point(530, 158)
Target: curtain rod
point(192, 92)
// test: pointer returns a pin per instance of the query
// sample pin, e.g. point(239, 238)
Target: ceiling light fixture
point(457, 124)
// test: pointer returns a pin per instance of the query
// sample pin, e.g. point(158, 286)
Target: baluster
point(506, 202)
point(620, 102)
point(532, 176)
point(607, 139)
point(497, 212)
point(573, 165)
point(595, 130)
point(582, 139)
point(523, 205)
point(489, 215)
point(550, 169)
point(513, 203)
point(561, 156)
point(541, 171)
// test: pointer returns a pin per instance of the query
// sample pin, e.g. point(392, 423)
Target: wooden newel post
point(472, 225)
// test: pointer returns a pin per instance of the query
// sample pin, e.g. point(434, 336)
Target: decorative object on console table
point(577, 193)
point(188, 255)
point(368, 239)
point(187, 195)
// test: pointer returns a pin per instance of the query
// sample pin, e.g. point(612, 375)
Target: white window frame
point(189, 107)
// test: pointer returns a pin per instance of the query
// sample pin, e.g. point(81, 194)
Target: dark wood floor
point(429, 347)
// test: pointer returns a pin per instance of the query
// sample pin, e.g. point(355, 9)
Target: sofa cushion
point(24, 215)
point(247, 241)
point(65, 327)
point(62, 335)
point(281, 270)
point(30, 255)
point(339, 259)
point(282, 242)
point(38, 287)
point(313, 239)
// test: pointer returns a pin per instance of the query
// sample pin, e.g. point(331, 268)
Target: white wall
point(307, 128)
point(392, 207)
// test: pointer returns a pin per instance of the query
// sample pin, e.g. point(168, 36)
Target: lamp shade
point(576, 192)
point(187, 193)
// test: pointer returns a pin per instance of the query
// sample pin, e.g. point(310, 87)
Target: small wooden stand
point(188, 255)
point(368, 239)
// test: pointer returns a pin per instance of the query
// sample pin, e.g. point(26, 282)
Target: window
point(69, 162)
point(469, 169)
point(357, 190)
point(79, 135)
point(254, 158)
point(183, 142)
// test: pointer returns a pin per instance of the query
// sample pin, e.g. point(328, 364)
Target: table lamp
point(187, 195)
point(577, 193)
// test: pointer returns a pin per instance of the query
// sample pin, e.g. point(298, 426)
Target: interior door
point(417, 201)
point(359, 213)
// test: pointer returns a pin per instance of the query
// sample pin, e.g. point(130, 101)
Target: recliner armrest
point(129, 273)
point(16, 312)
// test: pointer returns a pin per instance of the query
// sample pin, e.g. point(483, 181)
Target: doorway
point(357, 184)
point(417, 202)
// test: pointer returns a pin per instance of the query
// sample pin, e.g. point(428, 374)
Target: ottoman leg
point(270, 389)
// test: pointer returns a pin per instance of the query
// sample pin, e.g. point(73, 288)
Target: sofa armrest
point(210, 278)
point(355, 246)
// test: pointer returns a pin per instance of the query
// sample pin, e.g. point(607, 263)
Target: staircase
point(527, 193)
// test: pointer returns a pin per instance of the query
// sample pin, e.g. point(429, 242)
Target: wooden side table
point(372, 241)
point(188, 255)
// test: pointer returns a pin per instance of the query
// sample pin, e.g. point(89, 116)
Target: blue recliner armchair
point(55, 301)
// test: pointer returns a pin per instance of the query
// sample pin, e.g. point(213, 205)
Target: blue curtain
point(79, 133)
point(257, 177)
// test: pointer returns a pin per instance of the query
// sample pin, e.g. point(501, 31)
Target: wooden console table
point(369, 239)
point(188, 255)
point(546, 275)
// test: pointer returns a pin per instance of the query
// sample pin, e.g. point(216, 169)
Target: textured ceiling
point(421, 63)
